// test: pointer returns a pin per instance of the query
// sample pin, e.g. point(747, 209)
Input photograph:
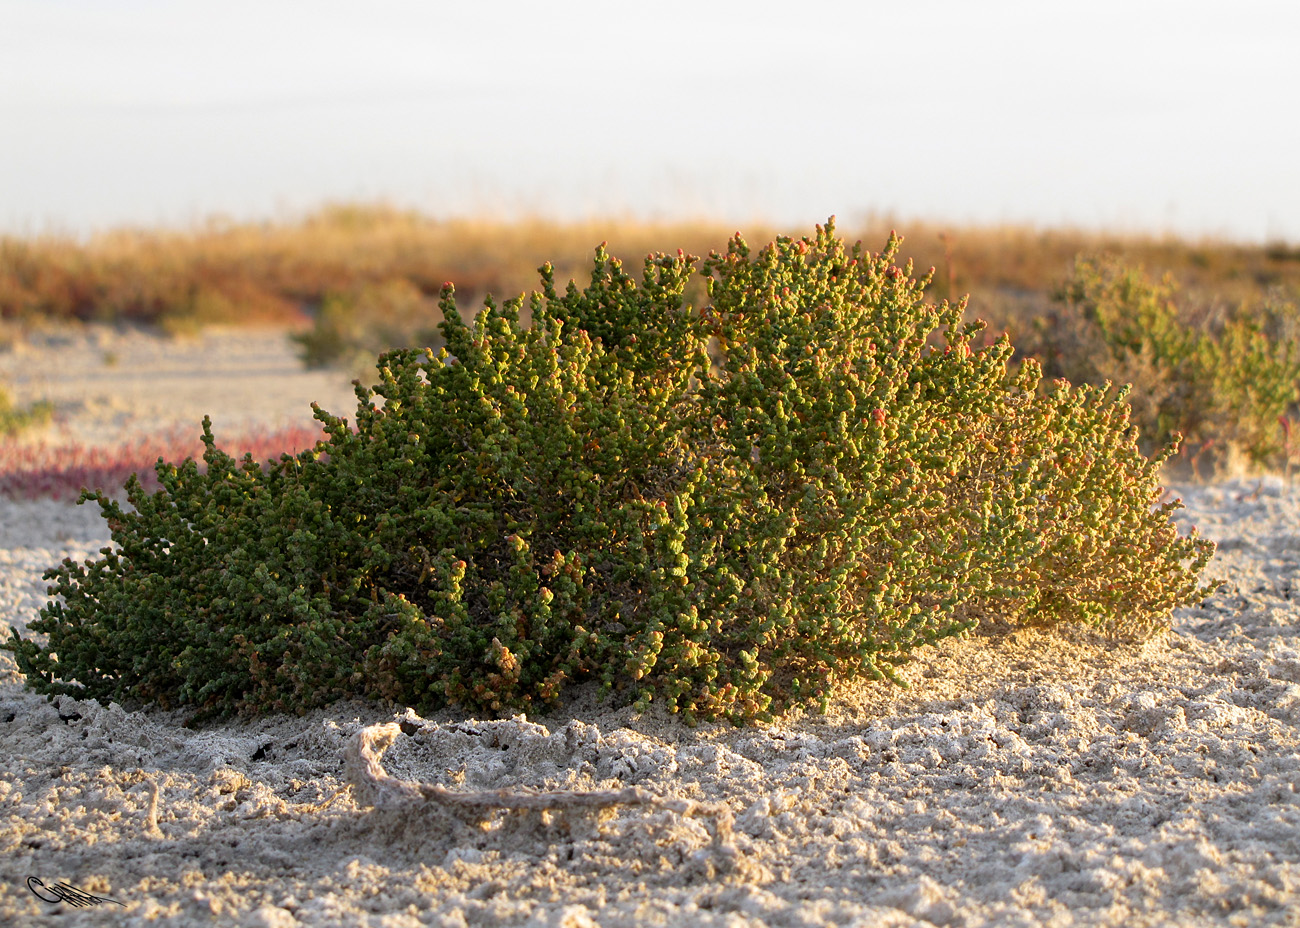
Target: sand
point(1033, 779)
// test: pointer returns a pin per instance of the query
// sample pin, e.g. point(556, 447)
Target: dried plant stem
point(152, 822)
point(373, 787)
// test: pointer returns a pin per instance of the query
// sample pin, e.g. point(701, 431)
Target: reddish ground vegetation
point(60, 471)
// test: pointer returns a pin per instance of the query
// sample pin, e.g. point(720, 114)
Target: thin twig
point(154, 790)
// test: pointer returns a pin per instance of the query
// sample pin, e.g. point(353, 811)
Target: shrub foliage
point(1222, 383)
point(726, 509)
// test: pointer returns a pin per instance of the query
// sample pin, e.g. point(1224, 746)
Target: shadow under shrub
point(727, 509)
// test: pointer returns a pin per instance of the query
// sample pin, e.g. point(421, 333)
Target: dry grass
point(281, 272)
point(1011, 272)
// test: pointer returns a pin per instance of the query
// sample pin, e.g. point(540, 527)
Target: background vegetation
point(285, 271)
point(29, 470)
point(1205, 331)
point(15, 418)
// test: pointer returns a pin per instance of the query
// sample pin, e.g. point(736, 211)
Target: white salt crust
point(1038, 779)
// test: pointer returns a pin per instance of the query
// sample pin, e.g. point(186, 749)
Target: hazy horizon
point(1142, 117)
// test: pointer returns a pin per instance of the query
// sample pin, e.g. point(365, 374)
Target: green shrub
point(1223, 385)
point(354, 326)
point(728, 510)
point(14, 419)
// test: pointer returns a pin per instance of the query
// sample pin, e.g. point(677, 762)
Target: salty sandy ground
point(110, 384)
point(1036, 779)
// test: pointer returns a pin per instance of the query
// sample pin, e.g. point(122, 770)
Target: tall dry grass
point(281, 272)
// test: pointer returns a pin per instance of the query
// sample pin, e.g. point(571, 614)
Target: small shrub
point(1221, 385)
point(727, 509)
point(14, 419)
point(353, 327)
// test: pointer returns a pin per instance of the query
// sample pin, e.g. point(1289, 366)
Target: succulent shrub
point(1224, 385)
point(728, 509)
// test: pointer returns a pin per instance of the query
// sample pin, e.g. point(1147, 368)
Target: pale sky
point(1144, 115)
